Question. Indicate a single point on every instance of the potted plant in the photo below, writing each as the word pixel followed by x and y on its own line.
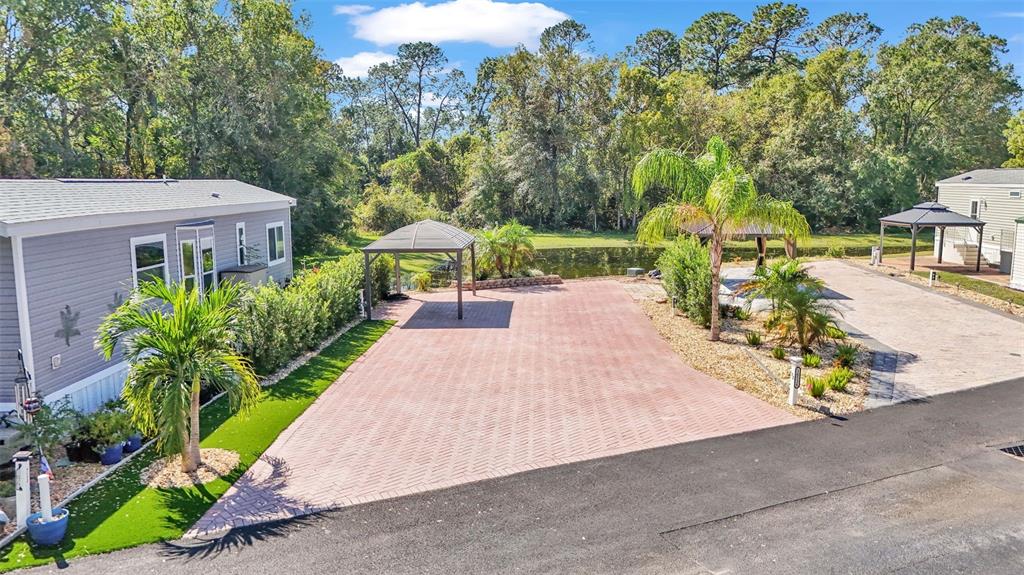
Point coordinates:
pixel 51 426
pixel 133 443
pixel 48 533
pixel 109 429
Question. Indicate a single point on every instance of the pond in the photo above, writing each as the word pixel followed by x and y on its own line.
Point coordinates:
pixel 592 262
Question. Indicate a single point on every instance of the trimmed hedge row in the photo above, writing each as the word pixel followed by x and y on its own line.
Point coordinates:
pixel 277 324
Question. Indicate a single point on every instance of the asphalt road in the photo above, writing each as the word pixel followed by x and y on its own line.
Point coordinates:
pixel 913 488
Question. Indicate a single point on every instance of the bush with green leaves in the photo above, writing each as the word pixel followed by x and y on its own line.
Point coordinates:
pixel 812 360
pixel 846 355
pixel 779 352
pixel 803 317
pixel 505 250
pixel 839 378
pixel 277 324
pixel 686 274
pixel 385 210
pixel 837 251
pixel 753 338
pixel 816 386
pixel 422 281
pixel 775 280
pixel 107 427
pixel 51 427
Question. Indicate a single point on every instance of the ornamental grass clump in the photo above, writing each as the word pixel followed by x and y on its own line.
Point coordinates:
pixel 816 386
pixel 779 352
pixel 839 378
pixel 812 360
pixel 422 281
pixel 846 355
pixel 753 339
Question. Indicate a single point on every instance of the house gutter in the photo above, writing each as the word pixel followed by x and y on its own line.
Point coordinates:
pixel 21 298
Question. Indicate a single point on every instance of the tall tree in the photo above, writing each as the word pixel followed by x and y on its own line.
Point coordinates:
pixel 658 51
pixel 769 42
pixel 707 44
pixel 847 30
pixel 1014 133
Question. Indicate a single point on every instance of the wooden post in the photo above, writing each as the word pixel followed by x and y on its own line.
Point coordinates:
pixel 367 290
pixel 398 274
pixel 790 243
pixel 981 237
pixel 458 278
pixel 762 247
pixel 913 245
pixel 472 266
pixel 881 241
pixel 942 241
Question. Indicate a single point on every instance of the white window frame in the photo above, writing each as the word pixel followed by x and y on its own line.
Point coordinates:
pixel 162 238
pixel 181 262
pixel 212 241
pixel 976 215
pixel 284 251
pixel 240 254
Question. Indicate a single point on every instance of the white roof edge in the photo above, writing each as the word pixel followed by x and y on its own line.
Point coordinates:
pixel 120 219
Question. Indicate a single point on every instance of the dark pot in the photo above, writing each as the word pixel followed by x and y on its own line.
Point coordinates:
pixel 50 533
pixel 82 451
pixel 112 454
pixel 134 443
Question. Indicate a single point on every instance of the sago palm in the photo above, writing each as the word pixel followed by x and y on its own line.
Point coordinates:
pixel 803 318
pixel 709 190
pixel 176 340
pixel 777 278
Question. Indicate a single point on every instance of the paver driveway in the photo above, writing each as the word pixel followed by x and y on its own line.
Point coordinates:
pixel 943 344
pixel 531 378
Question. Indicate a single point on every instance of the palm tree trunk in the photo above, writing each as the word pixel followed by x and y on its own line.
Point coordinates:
pixel 190 459
pixel 716 269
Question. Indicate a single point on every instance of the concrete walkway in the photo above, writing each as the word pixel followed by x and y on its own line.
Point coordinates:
pixel 531 378
pixel 941 344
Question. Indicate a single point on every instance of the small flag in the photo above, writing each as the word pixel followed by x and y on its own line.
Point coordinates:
pixel 44 466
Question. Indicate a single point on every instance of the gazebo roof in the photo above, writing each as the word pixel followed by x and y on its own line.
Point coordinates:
pixel 424 236
pixel 930 214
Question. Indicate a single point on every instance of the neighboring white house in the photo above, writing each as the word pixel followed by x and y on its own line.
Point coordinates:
pixel 996 197
pixel 73 249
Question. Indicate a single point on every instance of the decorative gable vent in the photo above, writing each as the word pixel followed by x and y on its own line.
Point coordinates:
pixel 1014 193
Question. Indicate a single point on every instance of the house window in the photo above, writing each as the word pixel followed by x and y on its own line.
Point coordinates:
pixel 975 206
pixel 206 260
pixel 275 243
pixel 188 263
pixel 240 242
pixel 149 259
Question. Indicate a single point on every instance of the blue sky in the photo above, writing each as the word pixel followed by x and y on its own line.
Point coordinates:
pixel 359 33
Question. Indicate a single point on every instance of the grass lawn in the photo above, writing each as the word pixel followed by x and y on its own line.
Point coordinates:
pixel 980 286
pixel 119 512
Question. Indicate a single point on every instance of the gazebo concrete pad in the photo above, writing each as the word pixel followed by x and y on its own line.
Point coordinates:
pixel 530 378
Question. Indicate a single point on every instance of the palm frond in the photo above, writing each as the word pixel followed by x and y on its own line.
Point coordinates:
pixel 661 168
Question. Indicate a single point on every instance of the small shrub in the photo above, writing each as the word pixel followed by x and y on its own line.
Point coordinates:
pixel 834 333
pixel 846 355
pixel 838 378
pixel 812 360
pixel 741 313
pixel 779 352
pixel 837 251
pixel 686 274
pixel 754 338
pixel 422 281
pixel 816 386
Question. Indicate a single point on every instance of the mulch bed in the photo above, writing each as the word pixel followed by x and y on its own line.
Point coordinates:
pixel 165 473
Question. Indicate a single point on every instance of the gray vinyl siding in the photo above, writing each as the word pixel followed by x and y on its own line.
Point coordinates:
pixel 998 210
pixel 85 269
pixel 226 249
pixel 10 339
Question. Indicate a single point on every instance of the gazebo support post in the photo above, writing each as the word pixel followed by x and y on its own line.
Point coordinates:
pixel 367 290
pixel 881 240
pixel 472 266
pixel 942 241
pixel 981 236
pixel 398 273
pixel 458 278
pixel 913 245
pixel 762 247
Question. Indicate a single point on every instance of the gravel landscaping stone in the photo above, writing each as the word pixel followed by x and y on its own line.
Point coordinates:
pixel 166 472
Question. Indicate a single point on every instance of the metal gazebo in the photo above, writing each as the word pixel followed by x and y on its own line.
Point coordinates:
pixel 930 215
pixel 426 236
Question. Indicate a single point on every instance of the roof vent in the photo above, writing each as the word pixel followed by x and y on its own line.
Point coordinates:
pixel 215 194
pixel 965 178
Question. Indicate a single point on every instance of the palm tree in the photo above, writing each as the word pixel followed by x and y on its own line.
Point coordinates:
pixel 774 280
pixel 803 317
pixel 710 190
pixel 176 340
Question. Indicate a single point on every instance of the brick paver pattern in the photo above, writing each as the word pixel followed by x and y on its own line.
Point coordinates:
pixel 532 377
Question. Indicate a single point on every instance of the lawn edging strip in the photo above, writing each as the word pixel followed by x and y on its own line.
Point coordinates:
pixel 119 512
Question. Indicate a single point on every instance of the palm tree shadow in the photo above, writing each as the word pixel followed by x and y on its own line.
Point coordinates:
pixel 235 539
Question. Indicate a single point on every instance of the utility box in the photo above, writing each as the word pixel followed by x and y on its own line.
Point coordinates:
pixel 253 274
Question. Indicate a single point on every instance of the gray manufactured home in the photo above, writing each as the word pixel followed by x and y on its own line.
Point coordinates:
pixel 72 249
pixel 996 197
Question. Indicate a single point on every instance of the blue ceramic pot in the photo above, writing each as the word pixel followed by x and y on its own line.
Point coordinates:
pixel 112 454
pixel 133 444
pixel 49 533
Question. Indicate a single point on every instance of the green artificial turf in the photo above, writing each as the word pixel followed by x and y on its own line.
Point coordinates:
pixel 119 512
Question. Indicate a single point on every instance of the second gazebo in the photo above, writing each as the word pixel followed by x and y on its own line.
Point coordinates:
pixel 930 215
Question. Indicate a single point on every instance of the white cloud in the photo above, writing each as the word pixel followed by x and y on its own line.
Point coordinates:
pixel 357 65
pixel 1011 14
pixel 351 9
pixel 500 24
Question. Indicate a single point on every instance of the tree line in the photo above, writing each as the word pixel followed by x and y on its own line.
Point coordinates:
pixel 822 114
